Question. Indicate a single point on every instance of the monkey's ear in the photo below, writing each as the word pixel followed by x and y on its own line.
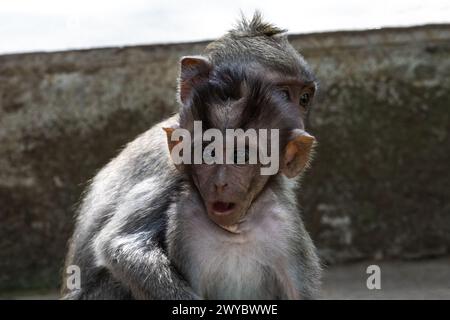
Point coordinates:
pixel 297 153
pixel 194 70
pixel 170 143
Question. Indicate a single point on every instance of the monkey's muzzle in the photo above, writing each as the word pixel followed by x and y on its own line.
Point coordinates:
pixel 223 208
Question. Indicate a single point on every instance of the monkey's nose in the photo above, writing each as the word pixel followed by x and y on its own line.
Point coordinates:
pixel 220 187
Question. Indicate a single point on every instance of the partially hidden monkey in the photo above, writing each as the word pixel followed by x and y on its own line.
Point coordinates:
pixel 126 239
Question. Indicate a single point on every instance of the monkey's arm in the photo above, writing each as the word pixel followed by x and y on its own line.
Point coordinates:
pixel 129 246
pixel 299 277
pixel 306 280
pixel 137 262
pixel 300 273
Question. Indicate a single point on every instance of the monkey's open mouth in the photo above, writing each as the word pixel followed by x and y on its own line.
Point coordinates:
pixel 223 208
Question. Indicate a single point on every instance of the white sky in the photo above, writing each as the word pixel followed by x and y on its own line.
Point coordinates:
pixel 47 25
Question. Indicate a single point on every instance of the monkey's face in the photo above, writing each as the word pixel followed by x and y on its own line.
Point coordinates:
pixel 239 97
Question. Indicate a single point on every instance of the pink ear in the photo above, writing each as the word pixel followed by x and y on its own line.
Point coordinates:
pixel 297 153
pixel 194 70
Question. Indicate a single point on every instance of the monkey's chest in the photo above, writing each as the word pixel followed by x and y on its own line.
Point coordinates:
pixel 226 266
pixel 233 275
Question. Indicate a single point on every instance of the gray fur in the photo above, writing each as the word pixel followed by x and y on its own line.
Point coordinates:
pixel 258 42
pixel 272 257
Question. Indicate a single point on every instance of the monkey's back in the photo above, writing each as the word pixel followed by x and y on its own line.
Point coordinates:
pixel 144 158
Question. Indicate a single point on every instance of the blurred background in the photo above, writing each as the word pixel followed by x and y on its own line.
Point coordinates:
pixel 79 79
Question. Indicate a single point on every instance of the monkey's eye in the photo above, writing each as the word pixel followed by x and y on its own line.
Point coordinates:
pixel 305 99
pixel 209 154
pixel 285 95
pixel 241 156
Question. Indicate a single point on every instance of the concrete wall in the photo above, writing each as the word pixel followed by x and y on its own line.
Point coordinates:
pixel 378 188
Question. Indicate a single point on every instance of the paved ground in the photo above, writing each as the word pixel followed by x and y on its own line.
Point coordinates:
pixel 428 279
pixel 399 280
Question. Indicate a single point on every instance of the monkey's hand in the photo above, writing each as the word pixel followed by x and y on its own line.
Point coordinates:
pixel 141 266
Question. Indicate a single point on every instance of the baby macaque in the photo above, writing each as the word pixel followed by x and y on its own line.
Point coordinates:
pixel 153 227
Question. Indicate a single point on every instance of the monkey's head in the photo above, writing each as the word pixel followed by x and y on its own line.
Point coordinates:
pixel 234 99
pixel 251 78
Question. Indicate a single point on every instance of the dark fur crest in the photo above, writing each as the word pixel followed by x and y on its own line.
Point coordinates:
pixel 255 27
pixel 262 105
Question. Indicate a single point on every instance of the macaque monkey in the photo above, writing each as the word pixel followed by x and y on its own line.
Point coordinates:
pixel 150 228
